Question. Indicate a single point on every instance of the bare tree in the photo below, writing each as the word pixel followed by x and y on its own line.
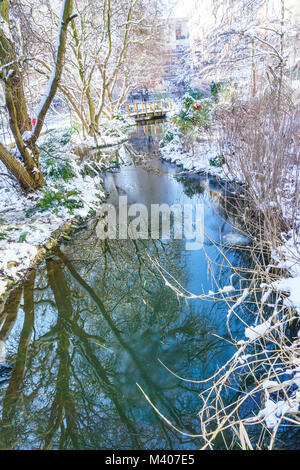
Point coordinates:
pixel 110 54
pixel 243 38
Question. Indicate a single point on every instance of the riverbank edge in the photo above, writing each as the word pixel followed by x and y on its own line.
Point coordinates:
pixel 285 286
pixel 222 176
pixel 79 148
pixel 44 249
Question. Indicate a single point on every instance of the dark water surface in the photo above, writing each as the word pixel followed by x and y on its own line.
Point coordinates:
pixel 94 319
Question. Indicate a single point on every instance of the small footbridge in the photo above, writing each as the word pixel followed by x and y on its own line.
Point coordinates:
pixel 149 109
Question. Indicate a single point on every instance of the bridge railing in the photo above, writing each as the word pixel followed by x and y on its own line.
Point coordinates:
pixel 147 108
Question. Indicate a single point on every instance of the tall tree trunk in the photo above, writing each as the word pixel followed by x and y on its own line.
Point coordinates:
pixel 66 17
pixel 13 77
pixel 17 169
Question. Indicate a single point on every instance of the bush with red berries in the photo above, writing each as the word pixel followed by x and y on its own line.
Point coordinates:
pixel 194 115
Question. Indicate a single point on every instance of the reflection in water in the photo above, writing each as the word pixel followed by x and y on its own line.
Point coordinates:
pixel 94 320
pixel 151 128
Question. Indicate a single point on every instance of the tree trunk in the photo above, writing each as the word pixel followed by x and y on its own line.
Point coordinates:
pixel 17 169
pixel 15 81
pixel 28 172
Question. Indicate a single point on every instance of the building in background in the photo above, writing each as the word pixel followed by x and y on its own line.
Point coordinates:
pixel 177 45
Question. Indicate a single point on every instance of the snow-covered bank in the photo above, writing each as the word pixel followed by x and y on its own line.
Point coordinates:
pixel 22 235
pixel 71 164
pixel 203 156
pixel 198 161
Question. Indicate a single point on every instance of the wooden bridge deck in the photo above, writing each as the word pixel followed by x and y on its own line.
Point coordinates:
pixel 149 109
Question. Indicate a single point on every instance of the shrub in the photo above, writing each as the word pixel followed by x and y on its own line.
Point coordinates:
pixel 55 197
pixel 54 165
pixel 197 95
pixel 168 137
pixel 194 115
pixel 58 169
pixel 217 161
pixel 261 143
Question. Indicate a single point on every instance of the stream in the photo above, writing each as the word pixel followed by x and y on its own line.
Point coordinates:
pixel 97 318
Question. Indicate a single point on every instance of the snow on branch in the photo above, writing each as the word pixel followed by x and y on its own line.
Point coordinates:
pixel 66 16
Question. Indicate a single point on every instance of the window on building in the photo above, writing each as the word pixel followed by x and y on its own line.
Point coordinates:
pixel 178 31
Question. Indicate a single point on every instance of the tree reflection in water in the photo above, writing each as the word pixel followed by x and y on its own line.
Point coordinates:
pixel 94 320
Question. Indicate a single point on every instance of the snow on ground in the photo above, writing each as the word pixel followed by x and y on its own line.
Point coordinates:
pixel 286 257
pixel 200 158
pixel 26 221
pixel 198 161
pixel 18 248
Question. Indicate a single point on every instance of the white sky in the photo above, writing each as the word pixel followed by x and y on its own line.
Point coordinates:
pixel 179 8
pixel 184 7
